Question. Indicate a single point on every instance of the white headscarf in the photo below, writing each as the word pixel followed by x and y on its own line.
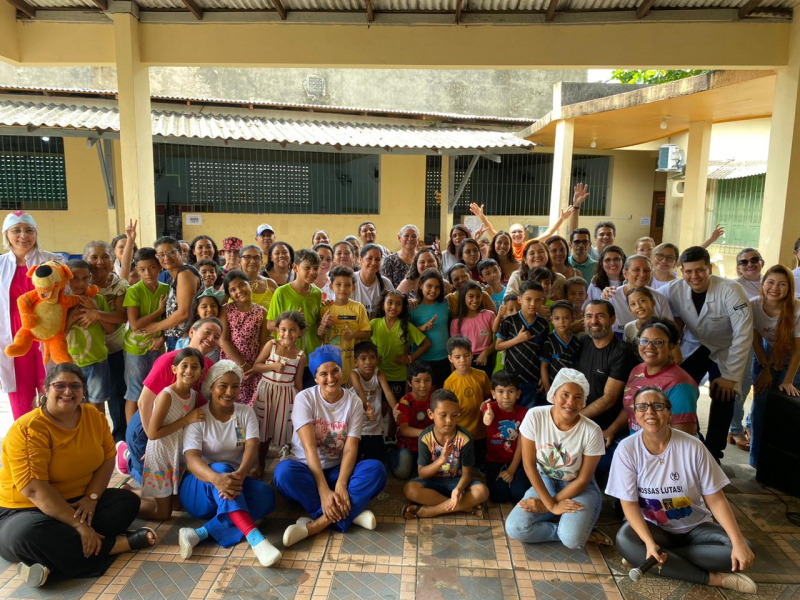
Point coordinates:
pixel 565 376
pixel 215 372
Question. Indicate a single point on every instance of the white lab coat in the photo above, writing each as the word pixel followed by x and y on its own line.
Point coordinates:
pixel 724 325
pixel 8 265
pixel 624 315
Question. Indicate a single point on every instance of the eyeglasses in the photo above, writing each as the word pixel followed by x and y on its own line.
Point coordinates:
pixel 756 260
pixel 253 257
pixel 656 406
pixel 654 343
pixel 580 242
pixel 612 260
pixel 61 387
pixel 666 257
pixel 163 255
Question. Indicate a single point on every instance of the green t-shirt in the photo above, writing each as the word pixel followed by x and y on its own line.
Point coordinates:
pixel 390 346
pixel 147 301
pixel 88 346
pixel 285 298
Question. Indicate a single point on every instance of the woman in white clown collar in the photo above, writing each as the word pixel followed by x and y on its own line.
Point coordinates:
pixel 321 472
pixel 670 487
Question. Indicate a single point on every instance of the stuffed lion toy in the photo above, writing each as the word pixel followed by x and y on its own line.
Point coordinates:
pixel 44 313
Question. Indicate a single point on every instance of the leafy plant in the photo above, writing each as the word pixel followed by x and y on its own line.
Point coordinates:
pixel 653 76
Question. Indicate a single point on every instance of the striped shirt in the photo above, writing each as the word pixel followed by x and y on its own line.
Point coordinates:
pixel 560 355
pixel 523 359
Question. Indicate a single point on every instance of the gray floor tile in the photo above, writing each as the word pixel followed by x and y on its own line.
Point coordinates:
pixel 275 584
pixel 365 586
pixel 460 541
pixel 386 540
pixel 162 580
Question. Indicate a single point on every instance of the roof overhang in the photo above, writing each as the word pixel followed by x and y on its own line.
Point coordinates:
pixel 636 117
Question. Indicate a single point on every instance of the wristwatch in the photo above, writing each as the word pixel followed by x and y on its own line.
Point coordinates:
pixel 93 497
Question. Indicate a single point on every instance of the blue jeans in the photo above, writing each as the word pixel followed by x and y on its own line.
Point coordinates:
pixel 530 396
pixel 98 381
pixel 202 500
pixel 502 492
pixel 137 368
pixel 759 408
pixel 572 529
pixel 136 439
pixel 401 462
pixel 442 485
pixel 294 480
pixel 738 408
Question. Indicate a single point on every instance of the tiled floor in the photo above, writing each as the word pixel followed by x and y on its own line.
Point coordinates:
pixel 458 557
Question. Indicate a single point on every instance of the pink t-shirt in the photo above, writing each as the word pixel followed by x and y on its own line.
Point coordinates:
pixel 161 376
pixel 478 329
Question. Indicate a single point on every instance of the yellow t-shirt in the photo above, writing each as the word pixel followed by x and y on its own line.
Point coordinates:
pixel 37 448
pixel 471 390
pixel 352 315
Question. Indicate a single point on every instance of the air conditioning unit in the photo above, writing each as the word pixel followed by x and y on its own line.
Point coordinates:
pixel 670 159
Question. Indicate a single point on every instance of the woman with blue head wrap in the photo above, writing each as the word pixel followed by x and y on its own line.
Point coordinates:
pixel 321 471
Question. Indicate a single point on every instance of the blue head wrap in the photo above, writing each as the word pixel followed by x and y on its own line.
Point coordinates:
pixel 322 355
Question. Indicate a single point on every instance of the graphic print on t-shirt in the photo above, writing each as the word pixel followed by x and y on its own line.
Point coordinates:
pixel 507 432
pixel 330 437
pixel 667 508
pixel 452 468
pixel 555 461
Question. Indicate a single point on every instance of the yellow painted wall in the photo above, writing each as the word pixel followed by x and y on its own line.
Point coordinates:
pixel 402 201
pixel 8 33
pixel 87 217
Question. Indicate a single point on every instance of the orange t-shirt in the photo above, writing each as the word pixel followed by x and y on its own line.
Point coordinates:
pixel 517 250
pixel 37 448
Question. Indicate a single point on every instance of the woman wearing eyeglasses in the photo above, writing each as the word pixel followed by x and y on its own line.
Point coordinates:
pixel 670 488
pixel 657 340
pixel 56 513
pixel 185 284
pixel 608 274
pixel 665 259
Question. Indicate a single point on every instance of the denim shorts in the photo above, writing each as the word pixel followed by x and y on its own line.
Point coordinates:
pixel 137 368
pixel 443 485
pixel 98 382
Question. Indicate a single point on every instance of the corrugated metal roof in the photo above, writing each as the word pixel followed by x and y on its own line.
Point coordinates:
pixel 279 104
pixel 728 169
pixel 219 125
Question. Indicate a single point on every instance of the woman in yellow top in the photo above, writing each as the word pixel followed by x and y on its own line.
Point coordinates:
pixel 56 514
pixel 250 261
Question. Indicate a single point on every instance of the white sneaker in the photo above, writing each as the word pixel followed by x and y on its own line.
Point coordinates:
pixel 266 553
pixel 739 582
pixel 187 540
pixel 296 533
pixel 366 520
pixel 285 451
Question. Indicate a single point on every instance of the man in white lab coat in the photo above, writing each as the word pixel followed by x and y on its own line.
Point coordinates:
pixel 717 338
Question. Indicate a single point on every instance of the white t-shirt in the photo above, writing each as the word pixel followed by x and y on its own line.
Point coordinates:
pixel 657 285
pixel 222 442
pixel 370 296
pixel 669 488
pixel 623 312
pixel 333 424
pixel 559 454
pixel 765 325
pixel 374 393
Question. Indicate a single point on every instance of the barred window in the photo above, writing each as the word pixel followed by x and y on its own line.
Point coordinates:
pixel 518 185
pixel 736 204
pixel 248 180
pixel 32 173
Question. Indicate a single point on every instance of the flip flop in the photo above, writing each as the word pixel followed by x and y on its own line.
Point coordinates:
pixel 478 512
pixel 410 510
pixel 137 540
pixel 599 538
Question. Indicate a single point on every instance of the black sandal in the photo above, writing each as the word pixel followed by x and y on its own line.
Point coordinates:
pixel 410 510
pixel 137 540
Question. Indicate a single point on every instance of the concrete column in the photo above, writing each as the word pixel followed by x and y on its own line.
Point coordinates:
pixel 693 210
pixel 780 217
pixel 136 137
pixel 448 189
pixel 562 171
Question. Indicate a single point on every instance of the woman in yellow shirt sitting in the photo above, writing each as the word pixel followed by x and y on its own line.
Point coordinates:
pixel 56 513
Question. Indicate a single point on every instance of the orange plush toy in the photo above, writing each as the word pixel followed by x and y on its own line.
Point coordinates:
pixel 44 313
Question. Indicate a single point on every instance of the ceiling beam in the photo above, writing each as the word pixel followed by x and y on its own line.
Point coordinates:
pixel 370 13
pixel 101 4
pixel 459 6
pixel 644 8
pixel 194 8
pixel 748 8
pixel 551 10
pixel 23 7
pixel 279 7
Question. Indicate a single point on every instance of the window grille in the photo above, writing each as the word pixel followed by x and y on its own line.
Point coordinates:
pixel 248 180
pixel 32 173
pixel 736 204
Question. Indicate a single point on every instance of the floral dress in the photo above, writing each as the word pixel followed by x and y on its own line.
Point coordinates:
pixel 245 328
pixel 164 463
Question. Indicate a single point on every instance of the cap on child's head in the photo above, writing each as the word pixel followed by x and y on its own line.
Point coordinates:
pixel 504 378
pixel 418 367
pixel 442 395
pixel 365 347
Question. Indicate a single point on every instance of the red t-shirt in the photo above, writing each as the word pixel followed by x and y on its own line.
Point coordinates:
pixel 413 413
pixel 502 434
pixel 161 376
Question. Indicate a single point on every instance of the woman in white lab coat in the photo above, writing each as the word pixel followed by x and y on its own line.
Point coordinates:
pixel 21 377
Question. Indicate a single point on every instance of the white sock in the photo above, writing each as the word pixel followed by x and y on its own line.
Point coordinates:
pixel 266 553
pixel 187 540
pixel 296 533
pixel 366 520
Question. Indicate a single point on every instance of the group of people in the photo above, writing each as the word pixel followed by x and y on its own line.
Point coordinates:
pixel 536 372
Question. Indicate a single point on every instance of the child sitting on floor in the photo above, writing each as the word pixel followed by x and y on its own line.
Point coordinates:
pixel 412 418
pixel 446 457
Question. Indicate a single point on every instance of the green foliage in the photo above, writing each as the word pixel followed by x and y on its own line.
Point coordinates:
pixel 653 76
